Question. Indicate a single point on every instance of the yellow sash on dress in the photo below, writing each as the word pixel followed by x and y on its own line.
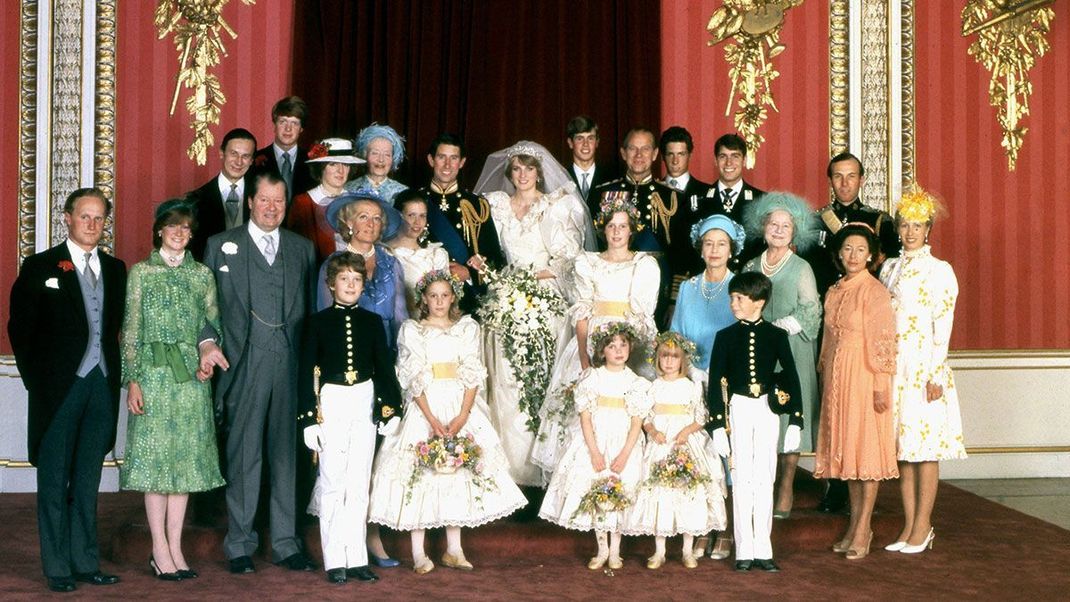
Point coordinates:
pixel 444 370
pixel 670 408
pixel 610 402
pixel 611 308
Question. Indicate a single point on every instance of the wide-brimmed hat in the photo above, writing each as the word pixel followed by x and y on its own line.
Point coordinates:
pixel 334 150
pixel 392 218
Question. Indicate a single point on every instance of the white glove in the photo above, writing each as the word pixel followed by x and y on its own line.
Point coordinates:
pixel 390 426
pixel 788 323
pixel 720 443
pixel 314 438
pixel 792 438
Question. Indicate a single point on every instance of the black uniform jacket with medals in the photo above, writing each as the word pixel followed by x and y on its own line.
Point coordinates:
pixel 461 221
pixel 747 354
pixel 833 217
pixel 348 345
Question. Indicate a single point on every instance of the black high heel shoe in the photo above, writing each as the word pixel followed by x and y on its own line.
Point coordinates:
pixel 162 576
pixel 187 573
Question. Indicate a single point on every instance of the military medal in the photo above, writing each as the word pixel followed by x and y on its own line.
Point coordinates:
pixel 351 376
pixel 443 205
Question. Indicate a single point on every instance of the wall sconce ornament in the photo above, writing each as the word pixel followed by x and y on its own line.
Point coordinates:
pixel 754 27
pixel 1011 36
pixel 196 25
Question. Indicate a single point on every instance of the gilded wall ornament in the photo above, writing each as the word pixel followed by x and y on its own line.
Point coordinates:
pixel 197 25
pixel 1011 36
pixel 754 27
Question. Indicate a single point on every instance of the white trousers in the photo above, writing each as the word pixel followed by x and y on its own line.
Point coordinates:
pixel 345 467
pixel 754 452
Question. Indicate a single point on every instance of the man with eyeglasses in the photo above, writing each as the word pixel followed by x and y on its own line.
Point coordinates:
pixel 283 155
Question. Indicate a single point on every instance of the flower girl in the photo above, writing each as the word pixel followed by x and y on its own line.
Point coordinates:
pixel 683 487
pixel 600 469
pixel 445 466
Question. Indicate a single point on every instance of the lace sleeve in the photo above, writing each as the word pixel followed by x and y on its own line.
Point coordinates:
pixel 637 399
pixel 879 330
pixel 584 281
pixel 943 292
pixel 470 370
pixel 131 339
pixel 414 371
pixel 586 394
pixel 808 310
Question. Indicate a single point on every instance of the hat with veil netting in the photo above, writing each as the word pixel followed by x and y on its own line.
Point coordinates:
pixel 495 177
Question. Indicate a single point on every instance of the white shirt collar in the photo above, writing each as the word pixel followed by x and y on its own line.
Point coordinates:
pixel 258 235
pixel 681 180
pixel 224 187
pixel 279 153
pixel 736 189
pixel 319 195
pixel 579 171
pixel 78 257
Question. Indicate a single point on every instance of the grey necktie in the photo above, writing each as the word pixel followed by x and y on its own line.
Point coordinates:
pixel 90 275
pixel 232 206
pixel 287 170
pixel 727 201
pixel 585 186
pixel 674 183
pixel 269 249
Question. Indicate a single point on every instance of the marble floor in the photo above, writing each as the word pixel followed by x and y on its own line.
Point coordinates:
pixel 1046 499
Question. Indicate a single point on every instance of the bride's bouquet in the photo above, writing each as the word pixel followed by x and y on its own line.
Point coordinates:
pixel 605 495
pixel 522 313
pixel 677 470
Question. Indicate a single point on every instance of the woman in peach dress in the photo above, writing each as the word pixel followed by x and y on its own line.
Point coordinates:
pixel 856 439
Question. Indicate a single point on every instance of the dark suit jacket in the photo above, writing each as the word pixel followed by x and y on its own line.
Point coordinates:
pixel 232 284
pixel 50 333
pixel 264 160
pixel 211 216
pixel 602 173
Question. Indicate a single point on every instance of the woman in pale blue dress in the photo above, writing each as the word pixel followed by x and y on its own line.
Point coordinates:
pixel 384 150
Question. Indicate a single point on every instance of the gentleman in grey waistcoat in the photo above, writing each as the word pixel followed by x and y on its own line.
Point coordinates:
pixel 264 276
pixel 66 312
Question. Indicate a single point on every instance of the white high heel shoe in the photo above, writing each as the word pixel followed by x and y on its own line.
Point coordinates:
pixel 895 547
pixel 921 547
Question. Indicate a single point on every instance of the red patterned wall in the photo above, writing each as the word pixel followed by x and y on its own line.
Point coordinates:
pixel 9 161
pixel 695 89
pixel 1006 234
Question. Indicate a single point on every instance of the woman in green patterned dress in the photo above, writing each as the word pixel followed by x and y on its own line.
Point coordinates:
pixel 170 442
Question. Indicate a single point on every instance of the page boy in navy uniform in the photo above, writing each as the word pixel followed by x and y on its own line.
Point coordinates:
pixel 746 396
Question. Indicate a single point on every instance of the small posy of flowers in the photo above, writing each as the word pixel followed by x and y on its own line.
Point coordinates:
pixel 523 314
pixel 318 151
pixel 447 455
pixel 605 495
pixel 65 265
pixel 677 471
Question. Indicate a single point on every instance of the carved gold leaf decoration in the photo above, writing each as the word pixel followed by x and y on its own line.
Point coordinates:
pixel 1011 36
pixel 754 29
pixel 197 25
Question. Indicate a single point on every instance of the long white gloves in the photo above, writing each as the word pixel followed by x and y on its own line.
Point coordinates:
pixel 314 438
pixel 390 426
pixel 792 438
pixel 720 443
pixel 788 323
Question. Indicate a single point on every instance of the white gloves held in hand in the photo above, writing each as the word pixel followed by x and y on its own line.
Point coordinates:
pixel 720 443
pixel 792 439
pixel 788 323
pixel 314 438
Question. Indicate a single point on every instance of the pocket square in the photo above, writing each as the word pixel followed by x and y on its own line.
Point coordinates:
pixel 224 268
pixel 52 283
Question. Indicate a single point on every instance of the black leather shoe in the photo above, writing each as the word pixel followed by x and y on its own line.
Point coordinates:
pixel 242 565
pixel 96 578
pixel 337 576
pixel 743 565
pixel 362 573
pixel 187 573
pixel 61 584
pixel 297 562
pixel 766 564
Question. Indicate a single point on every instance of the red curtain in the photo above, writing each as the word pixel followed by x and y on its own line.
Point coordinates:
pixel 495 72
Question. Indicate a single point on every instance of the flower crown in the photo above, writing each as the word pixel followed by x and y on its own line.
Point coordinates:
pixel 615 201
pixel 674 340
pixel 524 149
pixel 439 276
pixel 605 332
pixel 918 206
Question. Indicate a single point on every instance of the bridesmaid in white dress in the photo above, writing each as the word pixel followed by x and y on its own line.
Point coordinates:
pixel 410 246
pixel 615 285
pixel 926 403
pixel 442 377
pixel 542 225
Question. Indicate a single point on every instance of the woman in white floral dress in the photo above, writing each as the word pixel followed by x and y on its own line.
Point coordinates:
pixel 928 423
pixel 615 285
pixel 442 376
pixel 542 225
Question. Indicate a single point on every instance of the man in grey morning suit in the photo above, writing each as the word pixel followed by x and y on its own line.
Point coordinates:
pixel 264 276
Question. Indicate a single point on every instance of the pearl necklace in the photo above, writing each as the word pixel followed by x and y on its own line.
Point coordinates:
pixel 716 289
pixel 366 255
pixel 771 270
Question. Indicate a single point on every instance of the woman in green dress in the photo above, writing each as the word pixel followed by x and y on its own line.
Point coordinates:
pixel 170 442
pixel 788 225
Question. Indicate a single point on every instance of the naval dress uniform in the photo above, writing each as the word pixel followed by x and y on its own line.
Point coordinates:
pixel 358 388
pixel 745 355
pixel 659 208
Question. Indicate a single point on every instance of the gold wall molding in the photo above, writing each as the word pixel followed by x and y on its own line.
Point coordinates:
pixel 876 98
pixel 104 130
pixel 27 200
pixel 839 77
pixel 906 77
pixel 66 110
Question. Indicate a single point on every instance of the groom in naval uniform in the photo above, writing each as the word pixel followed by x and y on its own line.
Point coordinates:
pixel 66 311
pixel 264 277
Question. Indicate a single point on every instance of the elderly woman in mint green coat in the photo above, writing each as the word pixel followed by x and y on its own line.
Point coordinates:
pixel 788 225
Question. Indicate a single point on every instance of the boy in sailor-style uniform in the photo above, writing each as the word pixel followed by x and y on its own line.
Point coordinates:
pixel 346 364
pixel 745 397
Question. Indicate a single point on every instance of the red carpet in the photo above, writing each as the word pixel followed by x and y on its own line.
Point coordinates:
pixel 982 550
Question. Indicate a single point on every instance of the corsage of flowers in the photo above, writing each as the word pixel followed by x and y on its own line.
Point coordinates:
pixel 65 265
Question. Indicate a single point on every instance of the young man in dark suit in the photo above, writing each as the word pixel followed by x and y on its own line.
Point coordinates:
pixel 66 312
pixel 676 146
pixel 283 155
pixel 732 193
pixel 582 134
pixel 220 202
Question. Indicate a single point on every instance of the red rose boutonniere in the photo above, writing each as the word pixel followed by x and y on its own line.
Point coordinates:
pixel 317 151
pixel 65 265
pixel 260 161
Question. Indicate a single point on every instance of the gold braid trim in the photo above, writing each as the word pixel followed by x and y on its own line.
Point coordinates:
pixel 473 220
pixel 660 213
pixel 830 219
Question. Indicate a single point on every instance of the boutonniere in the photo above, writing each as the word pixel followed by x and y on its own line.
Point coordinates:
pixel 52 283
pixel 229 248
pixel 748 195
pixel 65 265
pixel 260 161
